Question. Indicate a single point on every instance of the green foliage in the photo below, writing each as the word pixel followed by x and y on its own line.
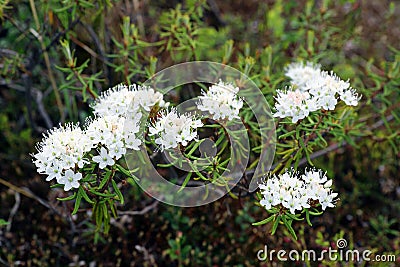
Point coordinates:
pixel 384 229
pixel 92 45
pixel 75 79
pixel 3 222
pixel 3 6
pixel 100 190
pixel 179 250
pixel 275 21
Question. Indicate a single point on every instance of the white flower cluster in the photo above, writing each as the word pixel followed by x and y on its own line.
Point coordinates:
pixel 301 73
pixel 123 99
pixel 65 150
pixel 172 129
pixel 295 192
pixel 60 152
pixel 312 89
pixel 114 138
pixel 221 101
pixel 295 104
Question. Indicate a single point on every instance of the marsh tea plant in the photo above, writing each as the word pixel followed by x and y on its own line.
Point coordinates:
pixel 87 160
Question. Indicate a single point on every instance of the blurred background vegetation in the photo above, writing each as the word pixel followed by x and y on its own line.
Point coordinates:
pixel 56 56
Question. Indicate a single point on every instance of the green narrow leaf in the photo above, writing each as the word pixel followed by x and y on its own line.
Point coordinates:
pixel 107 195
pixel 287 134
pixel 71 197
pixel 62 9
pixel 96 237
pixel 180 162
pixel 286 151
pixel 195 146
pixel 166 165
pixel 198 173
pixel 113 209
pixel 207 193
pixel 77 203
pixel 222 149
pixel 265 221
pixel 349 140
pixel 298 132
pixel 104 209
pixel 232 195
pixel 98 215
pixel 310 41
pixel 89 177
pixel 315 213
pixel 106 218
pixel 124 171
pixel 308 217
pixel 321 138
pixel 288 225
pixel 117 191
pixel 187 179
pixel 105 179
pixel 220 139
pixel 306 151
pixel 297 158
pixel 3 222
pixel 276 223
pixel 334 124
pixel 85 196
pixel 294 217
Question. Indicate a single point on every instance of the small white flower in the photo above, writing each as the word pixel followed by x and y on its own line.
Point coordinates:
pixel 132 142
pixel 300 73
pixel 167 140
pixel 328 184
pixel 123 100
pixel 303 200
pixel 292 103
pixel 80 161
pixel 314 176
pixel 221 101
pixel 103 159
pixel 313 89
pixel 68 161
pixel 292 203
pixel 117 150
pixel 41 162
pixel 294 191
pixel 350 97
pixel 53 171
pixel 70 180
pixel 115 133
pixel 267 201
pixel 328 82
pixel 172 129
pixel 62 149
pixel 147 97
pixel 328 200
pixel 327 102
